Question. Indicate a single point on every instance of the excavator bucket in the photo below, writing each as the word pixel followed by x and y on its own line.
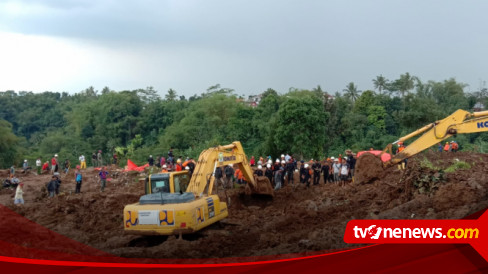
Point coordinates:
pixel 262 187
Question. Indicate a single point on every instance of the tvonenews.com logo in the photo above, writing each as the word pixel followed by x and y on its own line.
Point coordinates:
pixel 375 232
pixel 473 232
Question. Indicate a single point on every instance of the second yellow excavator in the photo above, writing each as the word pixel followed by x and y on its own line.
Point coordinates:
pixel 172 205
pixel 459 122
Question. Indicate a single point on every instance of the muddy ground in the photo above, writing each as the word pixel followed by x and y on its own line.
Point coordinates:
pixel 297 220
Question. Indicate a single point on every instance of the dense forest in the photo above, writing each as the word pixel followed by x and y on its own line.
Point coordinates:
pixel 306 123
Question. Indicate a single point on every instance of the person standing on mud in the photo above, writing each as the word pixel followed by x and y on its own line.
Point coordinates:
pixel 455 146
pixel 277 178
pixel 51 186
pixel 38 165
pixel 259 172
pixel 54 164
pixel 94 159
pixel 58 183
pixel 325 170
pixel 344 172
pixel 268 172
pixel 229 176
pixel 103 178
pixel 19 192
pixel 67 165
pixel 302 171
pixel 82 161
pixel 316 172
pixel 252 162
pixel 307 176
pixel 78 180
pixel 99 158
pixel 403 164
pixel 290 169
pixel 219 175
pixel 283 174
pixel 351 161
pixel 336 169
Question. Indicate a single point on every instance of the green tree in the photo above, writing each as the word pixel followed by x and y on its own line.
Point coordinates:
pixel 300 127
pixel 351 91
pixel 9 145
pixel 380 83
pixel 171 95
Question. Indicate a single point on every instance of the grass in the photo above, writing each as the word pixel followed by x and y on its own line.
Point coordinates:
pixel 458 165
pixel 425 163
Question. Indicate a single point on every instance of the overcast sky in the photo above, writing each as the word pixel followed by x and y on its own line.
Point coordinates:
pixel 246 45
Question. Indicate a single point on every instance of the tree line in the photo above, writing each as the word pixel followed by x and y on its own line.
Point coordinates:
pixel 306 123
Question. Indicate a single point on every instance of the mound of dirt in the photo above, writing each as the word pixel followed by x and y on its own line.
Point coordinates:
pixel 368 168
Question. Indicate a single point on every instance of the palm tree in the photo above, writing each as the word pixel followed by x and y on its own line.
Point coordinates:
pixel 351 91
pixel 380 83
pixel 405 83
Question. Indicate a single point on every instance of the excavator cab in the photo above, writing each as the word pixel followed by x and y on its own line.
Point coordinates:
pixel 170 182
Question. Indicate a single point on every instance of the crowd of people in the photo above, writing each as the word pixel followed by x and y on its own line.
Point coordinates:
pixel 336 170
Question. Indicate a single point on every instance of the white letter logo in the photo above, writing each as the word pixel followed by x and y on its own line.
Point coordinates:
pixel 374 232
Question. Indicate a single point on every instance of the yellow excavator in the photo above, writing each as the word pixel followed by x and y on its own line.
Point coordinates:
pixel 174 205
pixel 459 122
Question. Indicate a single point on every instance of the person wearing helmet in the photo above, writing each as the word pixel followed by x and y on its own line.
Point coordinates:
pixel 344 172
pixel 307 176
pixel 25 166
pixel 164 169
pixel 178 166
pixel 403 163
pixel 336 168
pixel 54 164
pixel 259 171
pixel 284 173
pixel 150 160
pixel 268 172
pixel 99 158
pixel 455 146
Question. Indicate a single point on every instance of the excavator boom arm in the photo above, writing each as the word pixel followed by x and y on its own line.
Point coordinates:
pixel 457 123
pixel 202 180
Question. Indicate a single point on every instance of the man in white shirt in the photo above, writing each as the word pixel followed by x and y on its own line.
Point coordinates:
pixel 38 165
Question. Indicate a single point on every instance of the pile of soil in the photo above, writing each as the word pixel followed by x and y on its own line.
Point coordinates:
pixel 296 220
pixel 368 168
